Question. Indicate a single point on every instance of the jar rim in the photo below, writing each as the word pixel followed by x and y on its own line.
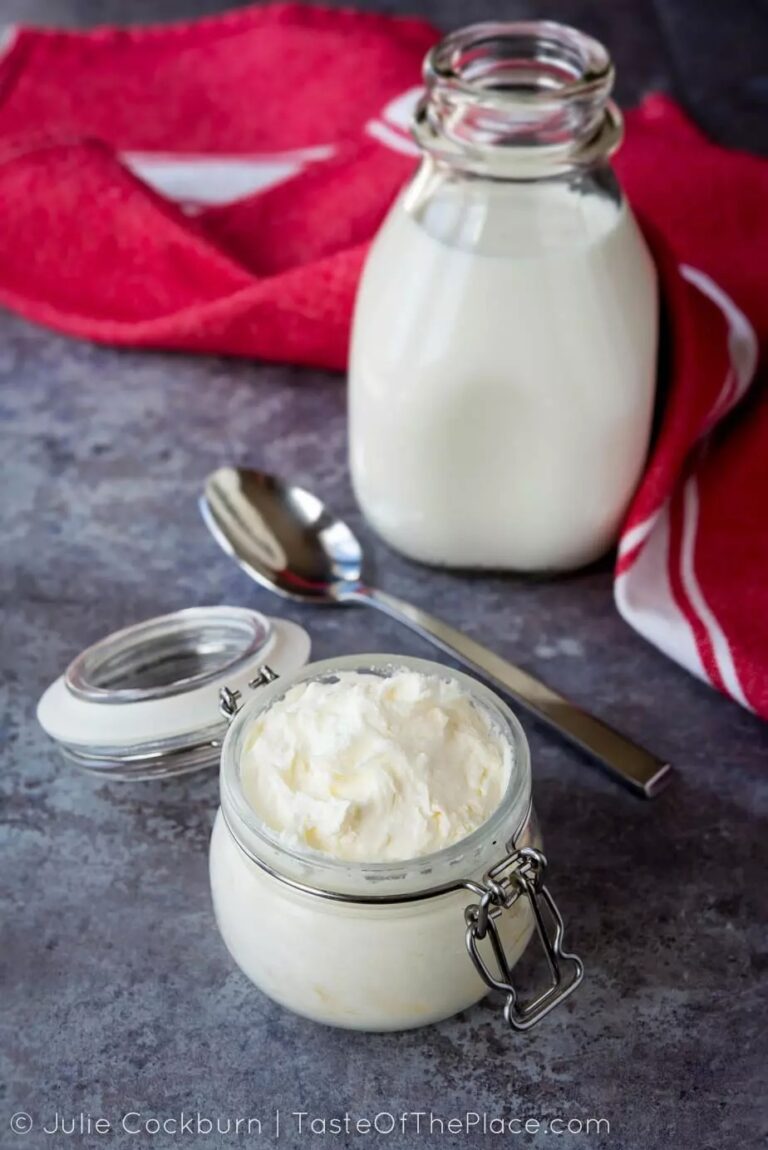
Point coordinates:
pixel 315 872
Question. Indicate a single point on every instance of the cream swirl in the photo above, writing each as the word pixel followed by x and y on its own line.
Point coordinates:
pixel 371 768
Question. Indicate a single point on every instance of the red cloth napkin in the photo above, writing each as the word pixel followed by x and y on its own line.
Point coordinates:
pixel 214 186
pixel 302 103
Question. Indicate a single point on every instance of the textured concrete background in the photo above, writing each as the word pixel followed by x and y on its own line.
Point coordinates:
pixel 117 993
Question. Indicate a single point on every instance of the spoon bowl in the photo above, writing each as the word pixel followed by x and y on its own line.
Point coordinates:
pixel 282 535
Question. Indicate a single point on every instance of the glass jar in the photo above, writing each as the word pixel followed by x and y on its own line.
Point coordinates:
pixel 385 946
pixel 503 357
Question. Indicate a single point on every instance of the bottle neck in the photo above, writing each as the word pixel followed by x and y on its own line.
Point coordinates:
pixel 518 99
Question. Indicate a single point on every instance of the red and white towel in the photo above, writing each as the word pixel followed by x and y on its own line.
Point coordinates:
pixel 214 187
pixel 692 567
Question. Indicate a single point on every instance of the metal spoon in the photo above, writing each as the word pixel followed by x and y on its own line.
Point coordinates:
pixel 286 540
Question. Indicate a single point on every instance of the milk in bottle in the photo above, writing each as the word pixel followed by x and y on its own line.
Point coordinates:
pixel 504 342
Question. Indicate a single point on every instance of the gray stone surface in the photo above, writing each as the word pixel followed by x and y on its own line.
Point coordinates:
pixel 117 992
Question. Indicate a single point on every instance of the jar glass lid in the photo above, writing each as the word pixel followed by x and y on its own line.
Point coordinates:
pixel 144 702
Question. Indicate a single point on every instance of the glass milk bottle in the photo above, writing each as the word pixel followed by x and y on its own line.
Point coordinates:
pixel 504 341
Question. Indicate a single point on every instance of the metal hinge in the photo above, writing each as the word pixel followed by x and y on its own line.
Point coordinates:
pixel 229 700
pixel 520 875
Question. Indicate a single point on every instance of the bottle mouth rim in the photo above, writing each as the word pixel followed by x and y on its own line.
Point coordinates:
pixel 520 100
pixel 583 65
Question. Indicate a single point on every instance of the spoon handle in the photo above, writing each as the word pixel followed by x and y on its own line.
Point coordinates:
pixel 636 767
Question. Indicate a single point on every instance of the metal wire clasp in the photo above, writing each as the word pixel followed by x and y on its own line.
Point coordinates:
pixel 520 874
pixel 229 700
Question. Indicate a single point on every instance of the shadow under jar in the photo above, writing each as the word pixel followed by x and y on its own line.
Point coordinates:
pixel 386 946
pixel 503 356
